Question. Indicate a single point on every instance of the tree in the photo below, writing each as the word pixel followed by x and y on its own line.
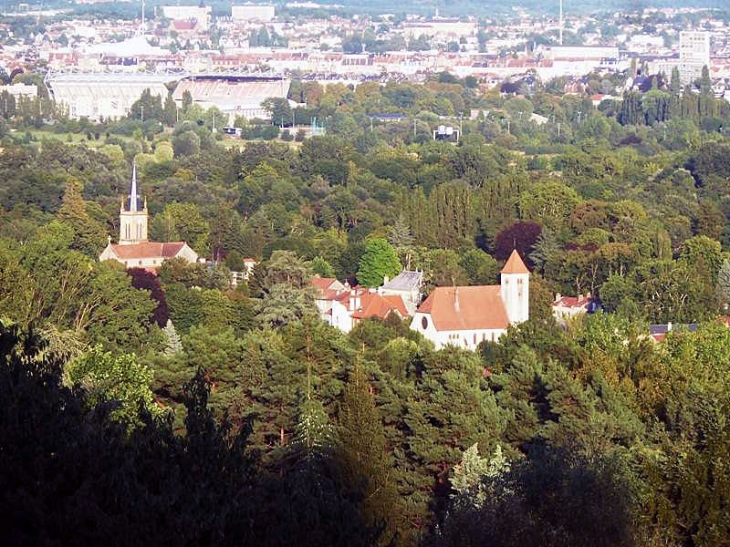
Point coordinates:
pixel 366 466
pixel 675 83
pixel 723 284
pixel 480 268
pixel 521 236
pixel 186 143
pixel 469 476
pixel 174 343
pixel 550 203
pixel 119 379
pixel 279 110
pixel 89 234
pixel 378 261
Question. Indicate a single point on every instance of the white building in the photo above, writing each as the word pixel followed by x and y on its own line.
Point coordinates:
pixel 134 250
pixel 467 316
pixel 200 14
pixel 694 54
pixel 253 12
pixel 694 47
pixel 25 91
pixel 107 95
pixel 408 286
pixel 343 307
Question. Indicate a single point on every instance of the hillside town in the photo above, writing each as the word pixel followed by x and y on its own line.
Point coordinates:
pixel 414 274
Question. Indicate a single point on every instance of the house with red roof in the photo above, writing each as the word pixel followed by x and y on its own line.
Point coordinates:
pixel 468 315
pixel 133 249
pixel 344 307
pixel 565 307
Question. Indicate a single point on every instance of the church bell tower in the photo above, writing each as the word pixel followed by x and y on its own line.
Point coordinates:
pixel 133 220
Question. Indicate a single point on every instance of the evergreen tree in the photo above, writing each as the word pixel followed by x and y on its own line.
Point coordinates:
pixel 366 465
pixel 675 84
pixel 723 284
pixel 89 234
pixel 173 343
pixel 170 111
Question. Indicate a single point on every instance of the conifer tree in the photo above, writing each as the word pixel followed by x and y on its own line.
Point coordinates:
pixel 88 233
pixel 174 343
pixel 366 465
pixel 676 83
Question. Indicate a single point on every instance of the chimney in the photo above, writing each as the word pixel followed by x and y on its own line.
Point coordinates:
pixel 457 305
pixel 558 296
pixel 669 327
pixel 354 300
pixel 385 279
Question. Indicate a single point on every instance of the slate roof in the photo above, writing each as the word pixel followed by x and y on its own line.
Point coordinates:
pixel 405 281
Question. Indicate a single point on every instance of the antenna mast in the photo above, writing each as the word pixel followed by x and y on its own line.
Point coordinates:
pixel 143 6
pixel 560 24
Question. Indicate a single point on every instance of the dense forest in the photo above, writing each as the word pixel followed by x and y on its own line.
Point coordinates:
pixel 173 408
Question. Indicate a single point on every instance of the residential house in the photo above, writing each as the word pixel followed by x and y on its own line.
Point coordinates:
pixel 565 307
pixel 407 285
pixel 343 307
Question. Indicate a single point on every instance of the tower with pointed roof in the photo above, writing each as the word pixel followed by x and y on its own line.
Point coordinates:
pixel 515 289
pixel 132 218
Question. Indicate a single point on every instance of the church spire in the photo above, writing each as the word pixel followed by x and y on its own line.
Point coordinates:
pixel 133 202
pixel 133 220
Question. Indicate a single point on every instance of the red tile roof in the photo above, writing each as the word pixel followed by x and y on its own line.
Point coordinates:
pixel 573 301
pixel 378 305
pixel 323 283
pixel 515 265
pixel 476 308
pixel 148 250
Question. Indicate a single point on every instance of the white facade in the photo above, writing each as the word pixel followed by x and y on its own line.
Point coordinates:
pixel 466 339
pixel 201 14
pixel 694 47
pixel 515 290
pixel 253 12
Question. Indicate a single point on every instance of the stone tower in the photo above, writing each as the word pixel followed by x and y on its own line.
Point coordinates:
pixel 515 289
pixel 133 220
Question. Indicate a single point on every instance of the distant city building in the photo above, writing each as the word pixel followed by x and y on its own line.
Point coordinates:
pixel 694 47
pixel 233 95
pixel 107 95
pixel 408 285
pixel 694 54
pixel 199 14
pixel 565 307
pixel 253 12
pixel 21 91
pixel 134 250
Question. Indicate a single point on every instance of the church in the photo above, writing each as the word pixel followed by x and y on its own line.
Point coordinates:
pixel 134 250
pixel 466 316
